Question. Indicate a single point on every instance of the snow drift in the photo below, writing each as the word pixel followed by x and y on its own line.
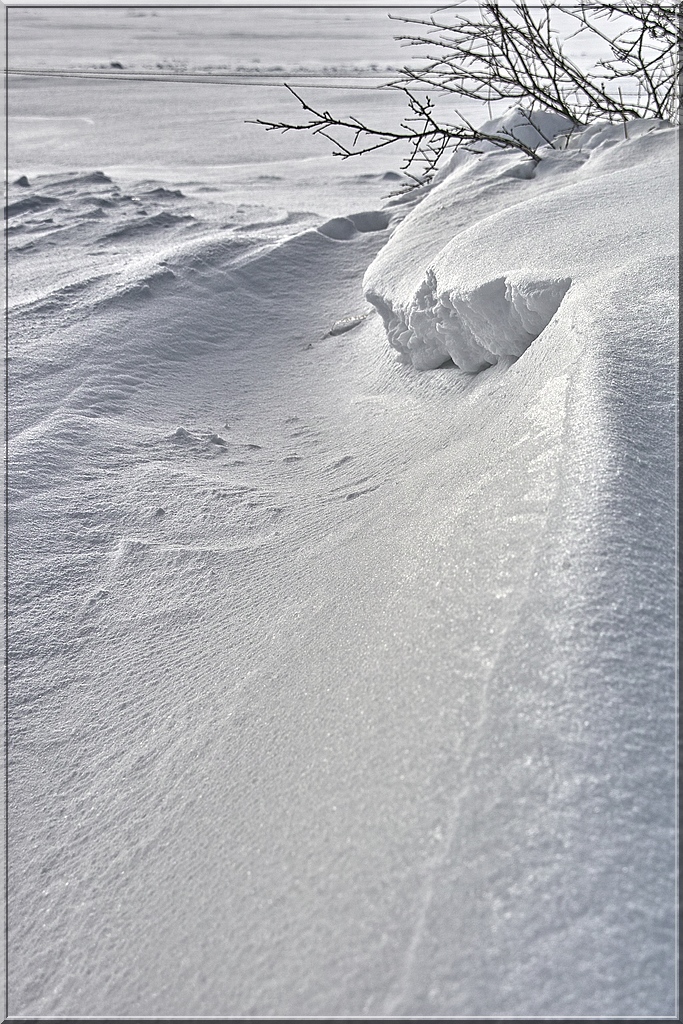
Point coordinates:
pixel 339 688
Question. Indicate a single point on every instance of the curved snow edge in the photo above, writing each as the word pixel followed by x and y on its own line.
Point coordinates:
pixel 474 329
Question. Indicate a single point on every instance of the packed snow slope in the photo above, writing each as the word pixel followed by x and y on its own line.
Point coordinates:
pixel 341 687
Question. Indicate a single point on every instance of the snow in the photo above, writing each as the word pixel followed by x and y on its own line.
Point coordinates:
pixel 500 279
pixel 341 684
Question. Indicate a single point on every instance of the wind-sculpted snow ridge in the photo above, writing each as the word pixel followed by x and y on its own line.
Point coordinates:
pixel 474 329
pixel 128 241
pixel 480 266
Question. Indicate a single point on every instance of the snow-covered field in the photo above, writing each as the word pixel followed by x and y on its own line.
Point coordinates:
pixel 342 665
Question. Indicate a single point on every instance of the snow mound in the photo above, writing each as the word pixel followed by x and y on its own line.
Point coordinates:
pixel 534 128
pixel 530 127
pixel 343 228
pixel 489 281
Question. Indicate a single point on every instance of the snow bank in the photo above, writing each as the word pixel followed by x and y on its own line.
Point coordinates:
pixel 494 286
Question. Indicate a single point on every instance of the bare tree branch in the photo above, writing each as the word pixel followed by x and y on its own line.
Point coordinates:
pixel 512 52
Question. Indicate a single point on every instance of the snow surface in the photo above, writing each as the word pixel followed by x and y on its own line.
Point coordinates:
pixel 337 687
pixel 500 279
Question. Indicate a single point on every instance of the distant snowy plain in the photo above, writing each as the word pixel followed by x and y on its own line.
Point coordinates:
pixel 341 684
